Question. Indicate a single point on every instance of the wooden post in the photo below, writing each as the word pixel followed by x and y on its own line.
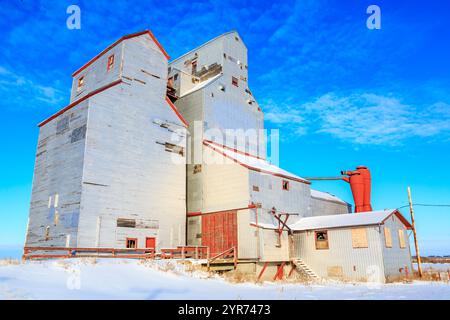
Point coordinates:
pixel 416 244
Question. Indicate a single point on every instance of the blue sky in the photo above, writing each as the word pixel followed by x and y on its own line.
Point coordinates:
pixel 341 94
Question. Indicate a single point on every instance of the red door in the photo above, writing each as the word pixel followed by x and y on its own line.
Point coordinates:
pixel 150 243
pixel 219 231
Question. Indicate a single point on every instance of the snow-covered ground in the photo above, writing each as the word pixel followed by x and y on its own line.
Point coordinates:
pixel 131 279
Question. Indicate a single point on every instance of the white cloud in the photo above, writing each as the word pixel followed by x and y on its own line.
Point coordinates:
pixel 364 118
pixel 20 91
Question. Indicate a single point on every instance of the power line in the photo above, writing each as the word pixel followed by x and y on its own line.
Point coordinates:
pixel 425 205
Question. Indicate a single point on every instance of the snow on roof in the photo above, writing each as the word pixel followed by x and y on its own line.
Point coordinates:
pixel 326 196
pixel 253 162
pixel 347 220
pixel 201 85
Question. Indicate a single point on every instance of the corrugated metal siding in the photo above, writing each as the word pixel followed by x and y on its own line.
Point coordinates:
pixel 322 207
pixel 395 258
pixel 247 236
pixel 368 262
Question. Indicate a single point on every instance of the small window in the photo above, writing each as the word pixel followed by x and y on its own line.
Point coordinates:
pixel 401 238
pixel 321 238
pixel 175 77
pixel 131 243
pixel 359 238
pixel 110 62
pixel 194 67
pixel 236 38
pixel 197 168
pixel 126 223
pixel 387 237
pixel 285 185
pixel 255 188
pixel 235 81
pixel 80 84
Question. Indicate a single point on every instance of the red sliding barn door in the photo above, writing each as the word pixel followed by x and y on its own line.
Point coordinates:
pixel 219 231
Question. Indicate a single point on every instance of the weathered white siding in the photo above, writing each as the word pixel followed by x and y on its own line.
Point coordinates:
pixel 115 165
pixel 225 183
pixel 358 264
pixel 322 207
pixel 395 258
pixel 56 193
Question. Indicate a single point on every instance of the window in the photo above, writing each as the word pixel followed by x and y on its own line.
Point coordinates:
pixel 235 81
pixel 285 185
pixel 110 62
pixel 126 223
pixel 255 188
pixel 321 239
pixel 387 237
pixel 401 238
pixel 359 238
pixel 131 243
pixel 194 67
pixel 175 77
pixel 80 84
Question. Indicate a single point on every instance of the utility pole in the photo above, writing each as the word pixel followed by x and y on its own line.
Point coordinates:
pixel 419 262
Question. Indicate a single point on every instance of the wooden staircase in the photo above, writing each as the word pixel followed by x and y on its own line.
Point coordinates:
pixel 305 269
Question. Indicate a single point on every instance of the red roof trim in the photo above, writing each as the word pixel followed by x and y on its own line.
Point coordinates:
pixel 232 149
pixel 256 169
pixel 73 104
pixel 401 218
pixel 129 36
pixel 176 111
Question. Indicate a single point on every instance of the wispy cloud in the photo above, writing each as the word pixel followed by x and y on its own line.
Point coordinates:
pixel 20 91
pixel 364 118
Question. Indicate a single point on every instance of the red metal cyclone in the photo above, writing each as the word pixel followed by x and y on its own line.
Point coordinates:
pixel 365 173
pixel 356 181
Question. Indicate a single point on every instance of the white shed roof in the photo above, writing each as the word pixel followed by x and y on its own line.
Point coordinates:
pixel 347 220
pixel 326 196
pixel 252 162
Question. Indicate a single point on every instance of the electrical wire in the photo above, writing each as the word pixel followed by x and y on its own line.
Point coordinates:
pixel 425 205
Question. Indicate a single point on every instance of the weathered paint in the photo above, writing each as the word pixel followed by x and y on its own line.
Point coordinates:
pixel 376 263
pixel 116 167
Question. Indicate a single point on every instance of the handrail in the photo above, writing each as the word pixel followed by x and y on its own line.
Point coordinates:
pixel 232 249
pixel 196 252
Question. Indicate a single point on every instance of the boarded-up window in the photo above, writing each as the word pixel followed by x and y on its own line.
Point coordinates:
pixel 359 238
pixel 401 238
pixel 62 125
pixel 126 223
pixel 78 134
pixel 321 239
pixel 110 62
pixel 387 237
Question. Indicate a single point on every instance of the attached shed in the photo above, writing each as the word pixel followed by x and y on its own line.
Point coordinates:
pixel 368 246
